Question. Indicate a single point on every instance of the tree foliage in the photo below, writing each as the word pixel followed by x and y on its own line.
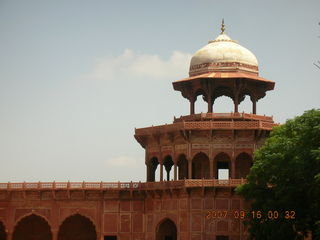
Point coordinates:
pixel 285 178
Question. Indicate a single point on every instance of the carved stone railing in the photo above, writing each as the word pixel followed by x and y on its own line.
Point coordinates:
pixel 187 183
pixel 213 116
pixel 206 125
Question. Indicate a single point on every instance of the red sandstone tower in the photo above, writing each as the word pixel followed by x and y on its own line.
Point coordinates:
pixel 200 158
pixel 203 149
pixel 197 146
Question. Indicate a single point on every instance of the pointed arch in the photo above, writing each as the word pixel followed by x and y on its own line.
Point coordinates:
pixel 245 105
pixel 32 226
pixel 33 213
pixel 168 163
pixel 200 97
pixel 201 92
pixel 223 104
pixel 77 227
pixel 166 230
pixel 200 166
pixel 222 163
pixel 182 164
pixel 243 164
pixel 250 100
pixel 152 167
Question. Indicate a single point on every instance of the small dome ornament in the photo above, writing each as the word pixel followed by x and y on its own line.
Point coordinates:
pixel 222 26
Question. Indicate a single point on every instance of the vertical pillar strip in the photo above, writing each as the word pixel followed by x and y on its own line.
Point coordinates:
pixel 161 172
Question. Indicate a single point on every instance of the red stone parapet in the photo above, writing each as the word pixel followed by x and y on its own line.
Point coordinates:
pixel 223 116
pixel 187 183
pixel 206 125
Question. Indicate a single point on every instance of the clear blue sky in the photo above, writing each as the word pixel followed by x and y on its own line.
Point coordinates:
pixel 76 77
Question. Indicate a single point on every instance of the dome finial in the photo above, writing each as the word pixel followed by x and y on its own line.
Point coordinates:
pixel 222 26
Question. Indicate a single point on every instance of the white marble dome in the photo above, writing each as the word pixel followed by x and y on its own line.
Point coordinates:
pixel 223 54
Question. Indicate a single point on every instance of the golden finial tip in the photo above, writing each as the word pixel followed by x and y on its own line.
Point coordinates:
pixel 222 26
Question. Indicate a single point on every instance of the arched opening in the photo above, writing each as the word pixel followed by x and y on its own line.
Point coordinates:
pixel 200 166
pixel 222 164
pixel 153 170
pixel 168 163
pixel 246 105
pixel 166 230
pixel 32 227
pixel 200 103
pixel 182 167
pixel 77 227
pixel 223 104
pixel 3 234
pixel 243 165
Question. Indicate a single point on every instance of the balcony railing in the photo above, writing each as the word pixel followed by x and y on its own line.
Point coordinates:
pixel 206 125
pixel 232 115
pixel 187 183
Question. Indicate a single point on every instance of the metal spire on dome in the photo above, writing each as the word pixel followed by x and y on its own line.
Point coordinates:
pixel 222 26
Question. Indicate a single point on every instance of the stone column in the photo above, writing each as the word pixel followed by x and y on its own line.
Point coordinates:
pixel 210 105
pixel 9 235
pixel 211 167
pixel 54 234
pixel 175 171
pixel 147 173
pixel 254 105
pixel 192 101
pixel 189 168
pixel 233 166
pixel 209 99
pixel 215 174
pixel 235 100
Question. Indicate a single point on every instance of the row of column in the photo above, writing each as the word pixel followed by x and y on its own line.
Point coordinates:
pixel 212 169
pixel 210 105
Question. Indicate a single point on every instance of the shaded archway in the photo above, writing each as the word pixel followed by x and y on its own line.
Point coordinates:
pixel 246 104
pixel 223 99
pixel 182 167
pixel 168 163
pixel 166 230
pixel 243 165
pixel 200 104
pixel 200 166
pixel 222 166
pixel 32 227
pixel 77 227
pixel 3 234
pixel 152 166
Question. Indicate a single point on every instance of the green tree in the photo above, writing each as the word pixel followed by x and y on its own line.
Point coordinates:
pixel 285 178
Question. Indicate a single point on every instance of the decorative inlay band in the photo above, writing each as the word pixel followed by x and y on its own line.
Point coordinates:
pixel 181 146
pixel 166 148
pixel 200 146
pixel 218 145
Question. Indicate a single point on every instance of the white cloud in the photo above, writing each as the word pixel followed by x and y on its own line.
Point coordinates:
pixel 122 161
pixel 131 64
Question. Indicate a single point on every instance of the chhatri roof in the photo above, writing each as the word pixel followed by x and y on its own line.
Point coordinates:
pixel 223 54
pixel 222 61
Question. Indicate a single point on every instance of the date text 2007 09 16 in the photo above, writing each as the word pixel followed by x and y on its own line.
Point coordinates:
pixel 241 214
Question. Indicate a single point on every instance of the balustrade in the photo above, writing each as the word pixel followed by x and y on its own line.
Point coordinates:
pixel 119 185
